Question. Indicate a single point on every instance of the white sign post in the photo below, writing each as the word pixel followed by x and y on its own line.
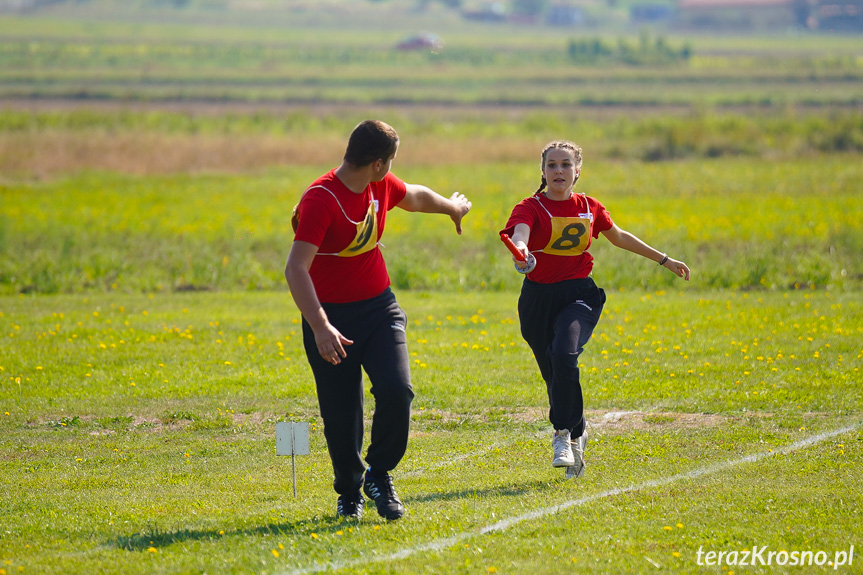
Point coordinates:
pixel 292 439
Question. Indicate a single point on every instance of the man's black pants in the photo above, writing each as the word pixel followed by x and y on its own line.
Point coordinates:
pixel 377 328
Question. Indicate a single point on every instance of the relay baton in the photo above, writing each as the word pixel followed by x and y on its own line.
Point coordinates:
pixel 531 261
pixel 515 251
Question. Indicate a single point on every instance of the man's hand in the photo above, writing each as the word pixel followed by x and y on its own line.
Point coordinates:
pixel 331 343
pixel 462 207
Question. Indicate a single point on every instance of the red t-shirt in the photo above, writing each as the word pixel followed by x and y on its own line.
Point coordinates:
pixel 329 214
pixel 537 212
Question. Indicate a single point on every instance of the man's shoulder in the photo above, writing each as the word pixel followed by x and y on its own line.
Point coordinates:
pixel 326 180
pixel 391 181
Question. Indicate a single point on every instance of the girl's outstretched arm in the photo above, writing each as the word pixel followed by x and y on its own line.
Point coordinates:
pixel 627 241
pixel 519 237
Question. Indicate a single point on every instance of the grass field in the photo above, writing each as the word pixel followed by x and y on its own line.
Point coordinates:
pixel 138 437
pixel 741 223
pixel 149 157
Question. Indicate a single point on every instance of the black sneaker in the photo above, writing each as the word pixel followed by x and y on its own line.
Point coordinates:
pixel 381 490
pixel 351 506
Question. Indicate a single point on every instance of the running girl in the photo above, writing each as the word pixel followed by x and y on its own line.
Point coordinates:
pixel 560 304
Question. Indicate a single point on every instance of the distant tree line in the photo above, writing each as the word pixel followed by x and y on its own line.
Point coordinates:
pixel 646 51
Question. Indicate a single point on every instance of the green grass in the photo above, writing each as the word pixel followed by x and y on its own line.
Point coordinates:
pixel 138 436
pixel 738 223
pixel 148 345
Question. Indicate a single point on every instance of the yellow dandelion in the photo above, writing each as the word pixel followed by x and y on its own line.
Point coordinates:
pixel 492 570
pixel 152 550
pixel 680 525
pixel 667 527
pixel 314 535
pixel 675 553
pixel 377 527
pixel 275 553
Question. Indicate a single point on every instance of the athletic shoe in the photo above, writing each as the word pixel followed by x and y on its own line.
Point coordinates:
pixel 351 505
pixel 562 449
pixel 578 447
pixel 380 489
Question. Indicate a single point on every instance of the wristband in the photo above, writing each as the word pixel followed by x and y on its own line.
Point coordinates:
pixel 664 259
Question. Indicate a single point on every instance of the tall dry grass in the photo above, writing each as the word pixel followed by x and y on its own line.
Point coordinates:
pixel 52 154
pixel 49 143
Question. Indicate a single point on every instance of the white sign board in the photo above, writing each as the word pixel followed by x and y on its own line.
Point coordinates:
pixel 292 438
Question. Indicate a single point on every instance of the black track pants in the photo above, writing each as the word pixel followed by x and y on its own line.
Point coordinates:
pixel 377 328
pixel 556 321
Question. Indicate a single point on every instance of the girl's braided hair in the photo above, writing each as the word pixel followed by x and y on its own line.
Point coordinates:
pixel 560 145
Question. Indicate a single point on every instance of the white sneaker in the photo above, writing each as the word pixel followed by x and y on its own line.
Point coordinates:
pixel 578 447
pixel 563 456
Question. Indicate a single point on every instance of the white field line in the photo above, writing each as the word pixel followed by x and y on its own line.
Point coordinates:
pixel 610 416
pixel 453 460
pixel 439 544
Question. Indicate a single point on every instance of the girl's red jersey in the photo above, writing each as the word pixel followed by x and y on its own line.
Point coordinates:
pixel 560 234
pixel 346 227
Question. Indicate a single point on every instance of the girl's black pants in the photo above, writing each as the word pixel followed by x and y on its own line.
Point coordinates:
pixel 556 321
pixel 377 328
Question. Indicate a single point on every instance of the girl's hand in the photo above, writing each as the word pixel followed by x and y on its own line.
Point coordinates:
pixel 677 267
pixel 525 252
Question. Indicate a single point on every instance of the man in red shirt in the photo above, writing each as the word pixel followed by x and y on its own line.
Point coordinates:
pixel 351 320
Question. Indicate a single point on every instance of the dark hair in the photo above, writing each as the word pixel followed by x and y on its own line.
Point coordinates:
pixel 371 140
pixel 560 145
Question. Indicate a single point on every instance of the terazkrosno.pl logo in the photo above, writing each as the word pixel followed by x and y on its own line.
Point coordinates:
pixel 760 556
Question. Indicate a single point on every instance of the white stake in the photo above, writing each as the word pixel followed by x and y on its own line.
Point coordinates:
pixel 292 439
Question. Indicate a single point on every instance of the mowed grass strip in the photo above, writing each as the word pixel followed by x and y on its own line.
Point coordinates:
pixel 181 475
pixel 190 56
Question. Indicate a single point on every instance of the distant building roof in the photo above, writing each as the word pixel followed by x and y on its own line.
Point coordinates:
pixel 731 3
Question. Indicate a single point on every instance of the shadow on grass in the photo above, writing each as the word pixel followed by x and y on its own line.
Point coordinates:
pixel 504 491
pixel 156 537
pixel 159 538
